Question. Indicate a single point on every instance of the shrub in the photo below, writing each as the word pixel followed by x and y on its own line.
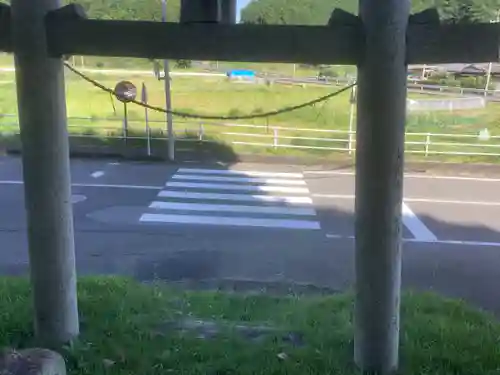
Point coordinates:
pixel 328 72
pixel 468 82
pixel 183 64
pixel 438 76
pixel 451 82
pixel 233 112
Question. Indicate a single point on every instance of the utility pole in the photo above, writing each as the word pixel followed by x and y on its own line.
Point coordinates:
pixel 168 96
pixel 490 65
pixel 488 79
pixel 46 169
pixel 379 183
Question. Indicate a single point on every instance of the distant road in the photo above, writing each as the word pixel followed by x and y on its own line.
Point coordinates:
pixel 132 72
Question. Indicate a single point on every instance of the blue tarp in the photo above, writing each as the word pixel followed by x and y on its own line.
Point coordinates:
pixel 241 73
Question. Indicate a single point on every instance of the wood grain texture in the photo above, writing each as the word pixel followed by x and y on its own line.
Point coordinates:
pixel 335 44
pixel 436 44
pixel 5 34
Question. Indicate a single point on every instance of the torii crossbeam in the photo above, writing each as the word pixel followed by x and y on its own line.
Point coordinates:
pixel 382 41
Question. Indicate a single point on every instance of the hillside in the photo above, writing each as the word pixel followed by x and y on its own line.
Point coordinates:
pixel 130 9
pixel 127 9
pixel 317 12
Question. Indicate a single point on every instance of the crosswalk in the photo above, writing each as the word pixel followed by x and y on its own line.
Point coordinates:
pixel 234 198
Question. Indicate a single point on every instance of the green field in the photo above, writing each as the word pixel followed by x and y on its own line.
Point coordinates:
pixel 212 96
pixel 131 328
pixel 216 96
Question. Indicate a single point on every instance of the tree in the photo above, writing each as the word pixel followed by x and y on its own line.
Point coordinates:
pixel 127 9
pixel 463 11
pixel 130 9
pixel 293 12
pixel 317 12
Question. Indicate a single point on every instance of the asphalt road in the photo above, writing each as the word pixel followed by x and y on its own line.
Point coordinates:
pixel 274 224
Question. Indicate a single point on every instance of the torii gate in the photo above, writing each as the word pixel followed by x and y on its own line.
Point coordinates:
pixel 381 42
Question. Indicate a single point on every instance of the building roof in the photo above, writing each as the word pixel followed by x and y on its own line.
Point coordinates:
pixel 469 68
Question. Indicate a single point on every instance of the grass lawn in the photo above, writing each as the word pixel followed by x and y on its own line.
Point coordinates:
pixel 129 328
pixel 216 96
pixel 208 95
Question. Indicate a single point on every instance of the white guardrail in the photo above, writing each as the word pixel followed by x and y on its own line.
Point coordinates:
pixel 411 85
pixel 271 137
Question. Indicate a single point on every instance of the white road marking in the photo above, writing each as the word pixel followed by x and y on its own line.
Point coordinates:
pixel 77 198
pixel 97 174
pixel 255 180
pixel 416 226
pixel 445 201
pixel 457 178
pixel 234 197
pixel 339 237
pixel 410 175
pixel 334 196
pixel 276 189
pixel 232 208
pixel 117 186
pixel 436 242
pixel 270 198
pixel 462 243
pixel 10 182
pixel 230 221
pixel 105 186
pixel 414 200
pixel 238 172
pixel 330 173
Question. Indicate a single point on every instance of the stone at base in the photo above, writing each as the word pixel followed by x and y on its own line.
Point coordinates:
pixel 31 362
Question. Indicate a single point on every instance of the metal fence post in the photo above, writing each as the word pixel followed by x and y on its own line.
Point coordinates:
pixel 201 132
pixel 125 122
pixel 148 133
pixel 144 99
pixel 427 143
pixel 275 138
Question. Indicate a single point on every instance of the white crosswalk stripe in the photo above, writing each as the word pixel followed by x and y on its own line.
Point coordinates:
pixel 230 221
pixel 242 173
pixel 255 180
pixel 234 197
pixel 227 198
pixel 266 188
pixel 233 208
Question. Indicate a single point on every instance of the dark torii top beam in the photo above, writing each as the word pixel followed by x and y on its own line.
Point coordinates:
pixel 71 33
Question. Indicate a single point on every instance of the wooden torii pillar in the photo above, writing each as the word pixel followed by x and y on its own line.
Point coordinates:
pixel 382 41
